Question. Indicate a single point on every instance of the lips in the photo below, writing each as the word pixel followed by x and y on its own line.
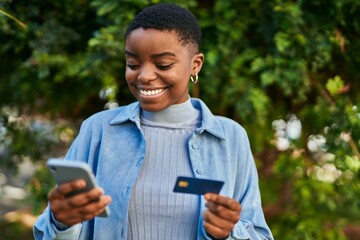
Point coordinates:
pixel 151 92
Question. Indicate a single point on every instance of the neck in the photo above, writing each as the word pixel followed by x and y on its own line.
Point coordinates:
pixel 178 114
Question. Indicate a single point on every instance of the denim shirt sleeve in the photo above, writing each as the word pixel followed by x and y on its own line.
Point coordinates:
pixel 59 225
pixel 241 175
pixel 243 230
pixel 45 229
pixel 46 226
pixel 252 224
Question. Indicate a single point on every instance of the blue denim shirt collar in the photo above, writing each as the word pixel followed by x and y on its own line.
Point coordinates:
pixel 208 122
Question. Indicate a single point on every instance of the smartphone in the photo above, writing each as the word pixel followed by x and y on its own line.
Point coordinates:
pixel 66 171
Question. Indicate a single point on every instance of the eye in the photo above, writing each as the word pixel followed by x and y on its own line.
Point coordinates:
pixel 133 66
pixel 164 67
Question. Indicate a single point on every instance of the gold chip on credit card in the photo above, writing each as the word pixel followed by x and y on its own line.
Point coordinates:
pixel 183 183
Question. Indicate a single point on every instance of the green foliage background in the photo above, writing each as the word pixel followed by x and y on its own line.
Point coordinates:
pixel 265 61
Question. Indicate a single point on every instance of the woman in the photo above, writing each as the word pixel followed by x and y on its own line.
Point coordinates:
pixel 137 151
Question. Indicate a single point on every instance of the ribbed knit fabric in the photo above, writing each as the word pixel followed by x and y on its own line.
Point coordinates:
pixel 155 211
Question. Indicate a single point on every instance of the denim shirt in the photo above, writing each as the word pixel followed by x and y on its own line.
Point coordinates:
pixel 112 143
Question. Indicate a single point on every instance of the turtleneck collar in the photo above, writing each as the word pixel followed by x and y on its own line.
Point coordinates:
pixel 177 115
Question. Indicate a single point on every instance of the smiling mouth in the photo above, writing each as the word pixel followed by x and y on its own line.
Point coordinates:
pixel 151 92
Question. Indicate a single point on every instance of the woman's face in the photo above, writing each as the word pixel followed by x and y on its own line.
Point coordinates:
pixel 158 68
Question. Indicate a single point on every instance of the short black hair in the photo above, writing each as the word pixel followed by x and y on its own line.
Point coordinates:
pixel 169 17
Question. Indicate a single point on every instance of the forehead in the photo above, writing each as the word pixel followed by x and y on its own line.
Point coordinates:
pixel 153 35
pixel 147 39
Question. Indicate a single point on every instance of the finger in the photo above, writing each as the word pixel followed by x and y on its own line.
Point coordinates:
pixel 215 231
pixel 85 198
pixel 78 200
pixel 57 197
pixel 95 208
pixel 226 202
pixel 84 216
pixel 223 212
pixel 219 222
pixel 83 213
pixel 65 188
pixel 54 194
pixel 225 208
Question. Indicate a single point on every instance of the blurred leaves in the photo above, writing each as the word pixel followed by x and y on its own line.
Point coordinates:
pixel 21 24
pixel 39 187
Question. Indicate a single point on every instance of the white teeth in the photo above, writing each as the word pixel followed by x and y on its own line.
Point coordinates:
pixel 151 92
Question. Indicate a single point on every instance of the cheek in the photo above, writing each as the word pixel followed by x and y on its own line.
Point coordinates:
pixel 172 77
pixel 177 77
pixel 130 76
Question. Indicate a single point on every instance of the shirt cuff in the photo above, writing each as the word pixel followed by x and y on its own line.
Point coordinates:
pixel 58 225
pixel 245 230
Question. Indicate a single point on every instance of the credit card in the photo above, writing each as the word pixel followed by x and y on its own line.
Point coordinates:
pixel 198 186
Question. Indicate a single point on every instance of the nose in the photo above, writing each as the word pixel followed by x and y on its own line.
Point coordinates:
pixel 146 74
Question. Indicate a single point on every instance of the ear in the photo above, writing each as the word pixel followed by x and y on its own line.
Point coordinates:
pixel 197 62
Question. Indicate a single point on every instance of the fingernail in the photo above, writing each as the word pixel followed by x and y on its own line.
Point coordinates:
pixel 82 183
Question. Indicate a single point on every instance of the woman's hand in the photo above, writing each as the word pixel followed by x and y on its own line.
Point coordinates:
pixel 221 215
pixel 77 208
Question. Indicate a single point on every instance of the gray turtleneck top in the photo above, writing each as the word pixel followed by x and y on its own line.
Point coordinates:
pixel 155 211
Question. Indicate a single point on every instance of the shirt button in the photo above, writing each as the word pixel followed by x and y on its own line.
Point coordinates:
pixel 198 171
pixel 194 146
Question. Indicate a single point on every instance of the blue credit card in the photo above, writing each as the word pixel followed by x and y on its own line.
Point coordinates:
pixel 198 186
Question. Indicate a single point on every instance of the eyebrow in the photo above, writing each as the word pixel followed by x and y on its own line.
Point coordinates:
pixel 155 55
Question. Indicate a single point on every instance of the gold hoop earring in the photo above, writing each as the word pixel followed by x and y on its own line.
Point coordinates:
pixel 195 78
